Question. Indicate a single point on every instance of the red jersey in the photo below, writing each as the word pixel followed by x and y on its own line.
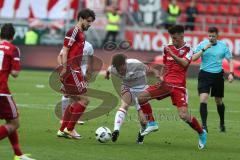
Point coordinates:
pixel 74 40
pixel 9 60
pixel 173 72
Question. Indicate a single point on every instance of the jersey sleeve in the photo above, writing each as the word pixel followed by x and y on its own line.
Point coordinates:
pixel 198 48
pixel 228 54
pixel 189 55
pixel 16 59
pixel 70 37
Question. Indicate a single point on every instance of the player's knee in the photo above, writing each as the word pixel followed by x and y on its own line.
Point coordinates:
pixel 218 101
pixel 203 97
pixel 183 116
pixel 124 106
pixel 143 97
pixel 84 101
pixel 13 125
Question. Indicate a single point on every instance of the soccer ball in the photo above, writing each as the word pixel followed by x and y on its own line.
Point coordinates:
pixel 103 134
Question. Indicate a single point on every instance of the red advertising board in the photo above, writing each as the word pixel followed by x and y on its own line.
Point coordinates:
pixel 154 40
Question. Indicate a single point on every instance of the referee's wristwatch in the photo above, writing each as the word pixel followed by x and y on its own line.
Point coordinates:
pixel 203 50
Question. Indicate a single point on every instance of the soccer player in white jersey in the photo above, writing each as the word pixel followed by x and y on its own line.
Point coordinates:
pixel 132 72
pixel 87 62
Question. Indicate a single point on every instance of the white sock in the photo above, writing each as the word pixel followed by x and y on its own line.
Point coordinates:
pixel 65 103
pixel 119 118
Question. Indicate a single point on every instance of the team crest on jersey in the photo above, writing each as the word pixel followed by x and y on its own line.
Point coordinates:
pixel 181 52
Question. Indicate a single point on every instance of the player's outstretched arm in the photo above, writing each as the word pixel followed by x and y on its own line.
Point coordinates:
pixel 197 55
pixel 156 72
pixel 231 75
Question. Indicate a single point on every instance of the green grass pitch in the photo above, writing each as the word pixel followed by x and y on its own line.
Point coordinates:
pixel 175 140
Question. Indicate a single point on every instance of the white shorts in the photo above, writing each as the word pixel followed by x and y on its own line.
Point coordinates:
pixel 134 91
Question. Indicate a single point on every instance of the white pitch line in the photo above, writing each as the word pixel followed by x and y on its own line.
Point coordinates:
pixel 51 106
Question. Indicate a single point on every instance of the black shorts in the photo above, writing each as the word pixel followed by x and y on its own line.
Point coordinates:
pixel 213 82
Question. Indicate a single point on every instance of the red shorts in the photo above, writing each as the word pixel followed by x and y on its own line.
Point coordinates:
pixel 162 90
pixel 8 109
pixel 73 83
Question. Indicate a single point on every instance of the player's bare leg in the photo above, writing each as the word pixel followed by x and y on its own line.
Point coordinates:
pixel 120 115
pixel 193 122
pixel 126 101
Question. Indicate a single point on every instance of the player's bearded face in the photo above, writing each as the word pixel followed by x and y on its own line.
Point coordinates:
pixel 212 37
pixel 87 23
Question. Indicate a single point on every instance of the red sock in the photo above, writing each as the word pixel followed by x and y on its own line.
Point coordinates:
pixel 147 110
pixel 195 125
pixel 77 111
pixel 13 138
pixel 66 117
pixel 3 132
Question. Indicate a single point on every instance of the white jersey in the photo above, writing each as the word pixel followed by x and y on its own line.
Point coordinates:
pixel 135 76
pixel 87 51
pixel 135 79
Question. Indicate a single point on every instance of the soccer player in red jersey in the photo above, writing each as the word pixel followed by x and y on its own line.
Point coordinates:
pixel 71 76
pixel 9 65
pixel 176 59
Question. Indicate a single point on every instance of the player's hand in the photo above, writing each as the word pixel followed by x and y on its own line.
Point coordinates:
pixel 230 78
pixel 107 75
pixel 88 76
pixel 168 50
pixel 161 78
pixel 63 72
pixel 209 45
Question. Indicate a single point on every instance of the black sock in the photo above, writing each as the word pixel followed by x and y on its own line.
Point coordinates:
pixel 203 113
pixel 221 110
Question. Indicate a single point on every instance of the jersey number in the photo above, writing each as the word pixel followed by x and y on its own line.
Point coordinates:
pixel 1 59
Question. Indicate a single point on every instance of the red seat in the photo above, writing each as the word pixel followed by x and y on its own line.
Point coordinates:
pixel 201 8
pixel 165 5
pixel 236 30
pixel 199 19
pixel 232 20
pixel 225 29
pixel 210 19
pixel 211 8
pixel 220 20
pixel 222 8
pixel 224 1
pixel 235 1
pixel 234 10
pixel 238 20
pixel 198 28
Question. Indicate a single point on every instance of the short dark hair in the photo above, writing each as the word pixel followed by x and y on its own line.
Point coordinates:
pixel 213 30
pixel 86 13
pixel 118 60
pixel 176 29
pixel 7 31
